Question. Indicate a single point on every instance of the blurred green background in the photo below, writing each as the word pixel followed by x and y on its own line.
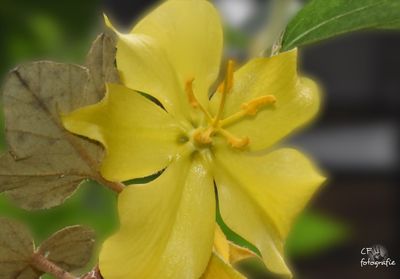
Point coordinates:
pixel 62 31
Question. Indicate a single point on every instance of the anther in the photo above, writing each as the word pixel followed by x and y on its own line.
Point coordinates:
pixel 249 108
pixel 253 106
pixel 234 141
pixel 239 142
pixel 193 100
pixel 190 94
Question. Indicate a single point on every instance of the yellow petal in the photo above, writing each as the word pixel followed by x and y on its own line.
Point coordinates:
pixel 228 251
pixel 238 253
pixel 259 196
pixel 167 226
pixel 140 137
pixel 190 32
pixel 221 244
pixel 219 269
pixel 297 99
pixel 143 66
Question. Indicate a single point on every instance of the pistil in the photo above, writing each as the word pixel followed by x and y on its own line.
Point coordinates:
pixel 224 89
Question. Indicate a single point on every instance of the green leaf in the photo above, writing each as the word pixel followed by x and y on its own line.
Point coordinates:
pixel 314 233
pixel 16 249
pixel 45 163
pixel 70 248
pixel 323 19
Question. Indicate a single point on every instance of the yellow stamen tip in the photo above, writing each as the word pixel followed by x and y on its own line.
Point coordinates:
pixel 253 106
pixel 234 141
pixel 221 88
pixel 190 94
pixel 239 142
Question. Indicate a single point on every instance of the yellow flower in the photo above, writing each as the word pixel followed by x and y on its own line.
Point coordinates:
pixel 167 227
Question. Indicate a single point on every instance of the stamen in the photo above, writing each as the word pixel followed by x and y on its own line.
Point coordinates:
pixel 225 88
pixel 234 141
pixel 190 94
pixel 193 100
pixel 249 108
pixel 221 87
pixel 229 76
pixel 252 107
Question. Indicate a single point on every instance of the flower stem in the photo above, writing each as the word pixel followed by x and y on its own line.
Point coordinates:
pixel 94 274
pixel 113 185
pixel 43 264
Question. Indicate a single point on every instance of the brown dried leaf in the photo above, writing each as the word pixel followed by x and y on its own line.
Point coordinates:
pixel 70 248
pixel 16 249
pixel 32 185
pixel 44 153
pixel 101 63
pixel 46 164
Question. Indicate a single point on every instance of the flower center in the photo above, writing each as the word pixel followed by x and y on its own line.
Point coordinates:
pixel 203 136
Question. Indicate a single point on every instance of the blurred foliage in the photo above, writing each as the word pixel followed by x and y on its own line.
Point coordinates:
pixel 314 233
pixel 235 38
pixel 61 31
pixel 45 29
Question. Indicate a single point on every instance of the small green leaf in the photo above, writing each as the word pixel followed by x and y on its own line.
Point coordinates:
pixel 323 19
pixel 70 248
pixel 313 233
pixel 16 249
pixel 45 163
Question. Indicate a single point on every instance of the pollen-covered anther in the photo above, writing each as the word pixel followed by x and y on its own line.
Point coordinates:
pixel 193 100
pixel 253 106
pixel 250 108
pixel 239 142
pixel 234 141
pixel 190 94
